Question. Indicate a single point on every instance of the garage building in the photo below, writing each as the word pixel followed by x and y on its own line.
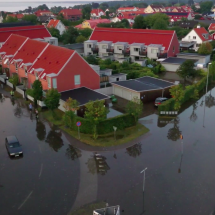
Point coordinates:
pixel 145 88
pixel 171 64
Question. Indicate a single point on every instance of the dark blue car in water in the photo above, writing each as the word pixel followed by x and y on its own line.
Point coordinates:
pixel 13 146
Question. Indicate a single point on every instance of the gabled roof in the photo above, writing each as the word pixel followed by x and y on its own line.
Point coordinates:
pixel 126 8
pixel 187 23
pixel 15 24
pixel 40 12
pixel 96 11
pixel 18 16
pixel 147 36
pixel 52 60
pixel 94 22
pixel 69 12
pixel 30 50
pixel 202 31
pixel 53 23
pixel 35 31
pixel 211 27
pixel 12 45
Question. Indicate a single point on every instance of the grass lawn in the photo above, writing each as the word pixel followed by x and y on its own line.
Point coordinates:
pixel 122 136
pixel 88 209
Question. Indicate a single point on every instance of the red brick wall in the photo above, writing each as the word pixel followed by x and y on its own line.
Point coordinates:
pixel 31 79
pixel 175 44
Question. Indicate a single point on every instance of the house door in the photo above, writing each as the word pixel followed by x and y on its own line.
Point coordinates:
pixel 7 71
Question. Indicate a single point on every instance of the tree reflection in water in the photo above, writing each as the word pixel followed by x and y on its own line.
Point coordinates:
pixel 72 152
pixel 2 98
pixel 54 138
pixel 209 100
pixel 18 109
pixel 41 130
pixel 134 150
pixel 193 116
pixel 174 133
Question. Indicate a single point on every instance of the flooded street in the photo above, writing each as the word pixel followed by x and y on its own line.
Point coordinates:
pixel 58 174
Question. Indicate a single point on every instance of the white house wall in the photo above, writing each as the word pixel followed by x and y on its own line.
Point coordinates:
pixel 60 26
pixel 170 67
pixel 125 93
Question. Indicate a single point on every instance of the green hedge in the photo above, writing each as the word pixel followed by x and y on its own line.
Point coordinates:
pixel 188 93
pixel 104 127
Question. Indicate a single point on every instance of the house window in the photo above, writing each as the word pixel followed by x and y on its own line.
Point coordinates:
pixel 104 46
pixel 89 45
pixel 36 74
pixel 77 80
pixel 16 66
pixel 26 71
pixel 194 37
pixel 49 82
pixel 54 83
pixel 136 49
pixel 154 51
pixel 119 48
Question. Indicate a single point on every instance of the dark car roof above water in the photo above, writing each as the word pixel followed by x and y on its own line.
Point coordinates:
pixel 12 139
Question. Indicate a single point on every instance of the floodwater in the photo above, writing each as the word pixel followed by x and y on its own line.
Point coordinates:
pixel 58 174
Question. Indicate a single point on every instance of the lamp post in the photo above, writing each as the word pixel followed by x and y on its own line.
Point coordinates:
pixel 207 77
pixel 144 177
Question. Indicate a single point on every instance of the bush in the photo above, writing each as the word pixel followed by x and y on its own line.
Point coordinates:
pixel 29 92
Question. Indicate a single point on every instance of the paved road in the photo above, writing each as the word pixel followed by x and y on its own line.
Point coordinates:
pixel 53 177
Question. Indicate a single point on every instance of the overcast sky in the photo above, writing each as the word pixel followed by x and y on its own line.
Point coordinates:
pixel 44 1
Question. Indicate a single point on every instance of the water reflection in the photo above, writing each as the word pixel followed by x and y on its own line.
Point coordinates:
pixel 41 130
pixel 18 109
pixel 193 116
pixel 2 98
pixel 174 133
pixel 54 138
pixel 72 152
pixel 12 101
pixel 209 100
pixel 163 121
pixel 134 150
pixel 97 164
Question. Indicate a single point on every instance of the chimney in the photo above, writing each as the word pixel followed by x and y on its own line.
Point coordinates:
pixel 198 26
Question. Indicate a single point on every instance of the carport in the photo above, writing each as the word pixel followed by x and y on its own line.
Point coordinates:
pixel 145 88
pixel 171 64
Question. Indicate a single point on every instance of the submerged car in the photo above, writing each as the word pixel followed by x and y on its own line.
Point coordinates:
pixel 13 146
pixel 160 100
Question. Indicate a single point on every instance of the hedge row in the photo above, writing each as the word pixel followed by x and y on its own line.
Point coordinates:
pixel 188 93
pixel 104 127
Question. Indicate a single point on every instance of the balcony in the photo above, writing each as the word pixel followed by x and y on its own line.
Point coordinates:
pixel 143 53
pixel 126 52
pixel 162 55
pixel 95 50
pixel 110 50
pixel 104 78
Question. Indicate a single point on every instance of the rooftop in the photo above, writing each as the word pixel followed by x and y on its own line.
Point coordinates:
pixel 174 60
pixel 144 84
pixel 77 94
pixel 190 54
pixel 15 24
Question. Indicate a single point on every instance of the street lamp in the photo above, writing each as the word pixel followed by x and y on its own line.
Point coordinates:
pixel 207 77
pixel 144 177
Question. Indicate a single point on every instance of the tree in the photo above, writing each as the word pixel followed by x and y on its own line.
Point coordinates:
pixel 9 19
pixel 95 112
pixel 92 60
pixel 104 6
pixel 125 23
pixel 205 48
pixel 37 91
pixel 151 19
pixel 54 32
pixel 80 39
pixel 70 35
pixel 160 24
pixel 30 18
pixel 95 5
pixel 86 32
pixel 14 80
pixel 135 108
pixel 86 11
pixel 206 6
pixel 139 22
pixel 197 16
pixel 177 93
pixel 186 69
pixel 52 99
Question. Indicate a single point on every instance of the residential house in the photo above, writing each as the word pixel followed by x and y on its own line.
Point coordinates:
pixel 155 9
pixel 211 27
pixel 92 23
pixel 1 18
pixel 96 13
pixel 33 32
pixel 45 19
pixel 43 13
pixel 54 66
pixel 121 44
pixel 16 24
pixel 71 14
pixel 127 9
pixel 187 24
pixel 57 24
pixel 19 16
pixel 198 35
pixel 175 16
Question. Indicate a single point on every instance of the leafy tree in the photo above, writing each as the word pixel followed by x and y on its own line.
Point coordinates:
pixel 181 32
pixel 151 19
pixel 95 5
pixel 86 11
pixel 213 43
pixel 14 80
pixel 135 108
pixel 52 99
pixel 186 69
pixel 205 48
pixel 43 7
pixel 107 14
pixel 139 22
pixel 69 36
pixel 160 24
pixel 92 60
pixel 125 23
pixel 80 39
pixel 86 32
pixel 30 18
pixel 197 16
pixel 104 6
pixel 95 112
pixel 190 2
pixel 9 19
pixel 177 93
pixel 37 91
pixel 206 6
pixel 54 32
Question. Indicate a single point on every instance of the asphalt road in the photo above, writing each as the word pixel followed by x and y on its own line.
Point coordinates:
pixel 53 177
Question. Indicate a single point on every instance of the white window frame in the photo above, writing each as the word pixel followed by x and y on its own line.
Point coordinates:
pixel 136 49
pixel 89 46
pixel 54 84
pixel 154 51
pixel 75 80
pixel 49 82
pixel 16 66
pixel 104 46
pixel 194 37
pixel 26 71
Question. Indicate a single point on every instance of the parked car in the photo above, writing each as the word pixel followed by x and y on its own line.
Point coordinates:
pixel 160 100
pixel 13 146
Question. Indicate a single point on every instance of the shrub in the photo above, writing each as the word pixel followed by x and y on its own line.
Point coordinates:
pixel 29 92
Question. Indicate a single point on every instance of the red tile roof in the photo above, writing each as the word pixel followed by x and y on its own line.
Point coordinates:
pixel 126 8
pixel 40 12
pixel 13 43
pixel 53 23
pixel 52 60
pixel 70 12
pixel 34 31
pixel 147 36
pixel 212 27
pixel 94 22
pixel 97 11
pixel 200 32
pixel 30 50
pixel 18 16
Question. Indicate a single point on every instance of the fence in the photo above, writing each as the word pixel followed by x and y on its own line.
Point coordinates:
pixel 106 91
pixel 9 84
pixel 2 78
pixel 61 102
pixel 20 90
